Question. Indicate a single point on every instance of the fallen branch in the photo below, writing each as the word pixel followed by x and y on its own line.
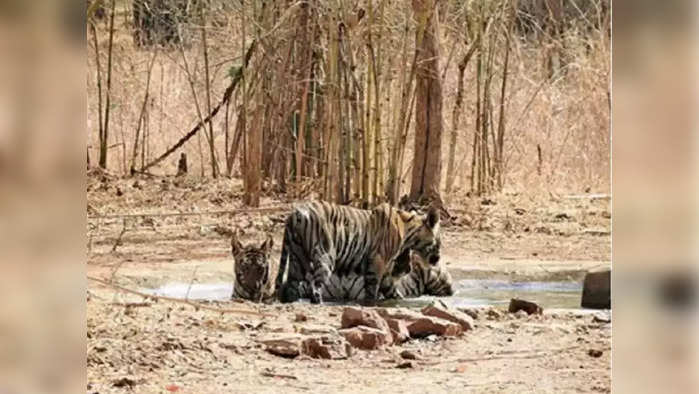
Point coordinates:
pixel 177 300
pixel 226 97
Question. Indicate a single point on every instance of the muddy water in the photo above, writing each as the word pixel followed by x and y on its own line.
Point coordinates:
pixel 468 292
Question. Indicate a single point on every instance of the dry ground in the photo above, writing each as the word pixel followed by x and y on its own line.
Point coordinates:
pixel 159 347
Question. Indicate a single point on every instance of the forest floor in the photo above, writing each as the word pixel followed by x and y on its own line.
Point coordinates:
pixel 144 346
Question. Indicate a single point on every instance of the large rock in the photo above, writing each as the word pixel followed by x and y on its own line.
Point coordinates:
pixel 399 313
pixel 399 330
pixel 429 325
pixel 597 289
pixel 438 309
pixel 365 338
pixel 353 317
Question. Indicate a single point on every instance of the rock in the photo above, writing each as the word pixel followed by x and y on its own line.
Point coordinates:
pixel 595 353
pixel 530 307
pixel 429 325
pixel 399 313
pixel 441 311
pixel 493 314
pixel 405 365
pixel 473 312
pixel 399 330
pixel 597 289
pixel 314 348
pixel 317 329
pixel 300 317
pixel 353 317
pixel 408 355
pixel 283 346
pixel 365 338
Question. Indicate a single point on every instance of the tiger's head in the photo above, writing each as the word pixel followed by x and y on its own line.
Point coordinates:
pixel 423 236
pixel 251 264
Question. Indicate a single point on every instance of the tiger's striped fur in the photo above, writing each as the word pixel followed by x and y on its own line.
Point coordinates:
pixel 433 280
pixel 253 270
pixel 327 248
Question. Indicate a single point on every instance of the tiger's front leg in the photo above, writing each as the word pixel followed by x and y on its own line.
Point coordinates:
pixel 320 275
pixel 372 281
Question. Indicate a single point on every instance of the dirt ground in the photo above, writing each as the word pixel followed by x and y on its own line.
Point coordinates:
pixel 136 344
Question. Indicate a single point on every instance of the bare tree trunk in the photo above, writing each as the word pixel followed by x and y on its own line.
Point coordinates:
pixel 456 113
pixel 212 149
pixel 105 130
pixel 141 117
pixel 100 130
pixel 401 126
pixel 427 164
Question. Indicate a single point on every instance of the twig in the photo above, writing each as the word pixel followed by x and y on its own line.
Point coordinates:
pixel 177 300
pixel 277 375
pixel 189 287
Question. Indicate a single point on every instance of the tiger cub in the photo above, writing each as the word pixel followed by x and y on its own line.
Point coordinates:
pixel 252 270
pixel 434 280
pixel 324 242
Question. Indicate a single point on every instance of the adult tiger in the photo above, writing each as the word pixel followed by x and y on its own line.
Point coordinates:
pixel 323 241
pixel 253 270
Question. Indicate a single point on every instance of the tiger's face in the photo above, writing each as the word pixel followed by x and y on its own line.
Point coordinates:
pixel 426 243
pixel 251 264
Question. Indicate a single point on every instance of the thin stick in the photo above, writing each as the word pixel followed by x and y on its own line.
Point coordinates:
pixel 177 300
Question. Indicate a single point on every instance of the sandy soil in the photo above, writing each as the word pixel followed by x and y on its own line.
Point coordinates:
pixel 166 347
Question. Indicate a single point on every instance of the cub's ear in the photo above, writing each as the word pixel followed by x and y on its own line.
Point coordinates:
pixel 236 246
pixel 432 218
pixel 267 244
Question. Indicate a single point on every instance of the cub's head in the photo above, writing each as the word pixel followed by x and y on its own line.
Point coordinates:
pixel 251 263
pixel 423 236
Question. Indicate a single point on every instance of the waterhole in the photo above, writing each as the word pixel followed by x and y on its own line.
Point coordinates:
pixel 467 292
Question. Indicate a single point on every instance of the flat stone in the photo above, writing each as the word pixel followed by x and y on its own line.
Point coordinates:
pixel 430 325
pixel 365 338
pixel 287 346
pixel 399 313
pixel 408 355
pixel 353 317
pixel 441 311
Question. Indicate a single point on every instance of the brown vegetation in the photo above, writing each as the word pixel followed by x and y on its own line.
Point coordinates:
pixel 325 104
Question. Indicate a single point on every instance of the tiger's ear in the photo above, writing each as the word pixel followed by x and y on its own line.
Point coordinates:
pixel 236 246
pixel 267 244
pixel 432 218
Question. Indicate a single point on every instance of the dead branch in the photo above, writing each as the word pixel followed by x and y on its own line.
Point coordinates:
pixel 226 97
